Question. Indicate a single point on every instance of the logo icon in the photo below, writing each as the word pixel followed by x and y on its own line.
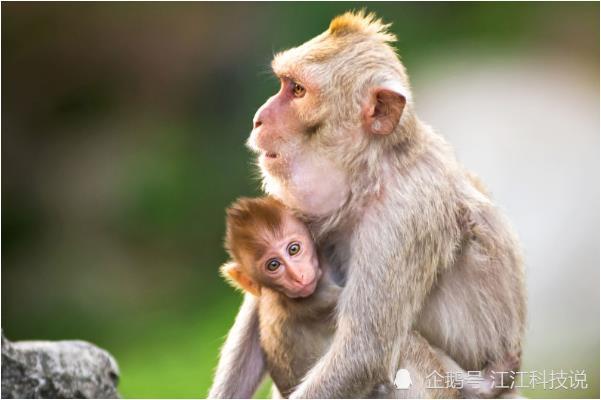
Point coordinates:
pixel 402 380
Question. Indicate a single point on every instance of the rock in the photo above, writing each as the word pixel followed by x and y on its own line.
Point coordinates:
pixel 64 369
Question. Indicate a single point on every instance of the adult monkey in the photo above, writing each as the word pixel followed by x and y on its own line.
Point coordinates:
pixel 428 262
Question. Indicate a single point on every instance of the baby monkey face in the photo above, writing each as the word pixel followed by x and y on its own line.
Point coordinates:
pixel 290 263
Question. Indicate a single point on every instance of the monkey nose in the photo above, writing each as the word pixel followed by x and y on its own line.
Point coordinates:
pixel 295 275
pixel 257 123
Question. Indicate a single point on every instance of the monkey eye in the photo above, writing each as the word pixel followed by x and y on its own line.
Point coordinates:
pixel 294 248
pixel 272 265
pixel 298 90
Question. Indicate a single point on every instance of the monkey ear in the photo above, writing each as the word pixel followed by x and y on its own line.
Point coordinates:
pixel 384 108
pixel 234 274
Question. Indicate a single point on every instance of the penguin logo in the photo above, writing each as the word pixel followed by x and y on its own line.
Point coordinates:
pixel 402 380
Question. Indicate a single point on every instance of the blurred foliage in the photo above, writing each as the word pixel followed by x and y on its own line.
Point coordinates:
pixel 122 142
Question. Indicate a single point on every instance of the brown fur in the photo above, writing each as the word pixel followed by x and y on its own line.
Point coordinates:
pixel 248 221
pixel 427 259
pixel 360 22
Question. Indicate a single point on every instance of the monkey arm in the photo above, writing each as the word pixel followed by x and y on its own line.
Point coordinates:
pixel 396 252
pixel 241 366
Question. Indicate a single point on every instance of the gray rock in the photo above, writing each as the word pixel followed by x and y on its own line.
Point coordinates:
pixel 64 369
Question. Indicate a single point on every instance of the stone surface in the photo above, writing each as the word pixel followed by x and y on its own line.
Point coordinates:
pixel 63 369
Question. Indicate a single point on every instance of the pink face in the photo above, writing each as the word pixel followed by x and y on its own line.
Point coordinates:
pixel 290 264
pixel 283 135
pixel 277 126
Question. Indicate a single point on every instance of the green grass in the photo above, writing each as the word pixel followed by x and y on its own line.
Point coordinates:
pixel 176 355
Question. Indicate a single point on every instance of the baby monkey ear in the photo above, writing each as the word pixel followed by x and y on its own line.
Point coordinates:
pixel 384 107
pixel 236 277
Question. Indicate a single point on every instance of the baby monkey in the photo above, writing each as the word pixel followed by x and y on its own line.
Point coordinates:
pixel 273 257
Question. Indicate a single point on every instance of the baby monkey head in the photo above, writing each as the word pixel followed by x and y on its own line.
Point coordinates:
pixel 269 248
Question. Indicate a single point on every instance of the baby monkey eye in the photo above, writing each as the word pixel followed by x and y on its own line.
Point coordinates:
pixel 294 248
pixel 298 90
pixel 272 265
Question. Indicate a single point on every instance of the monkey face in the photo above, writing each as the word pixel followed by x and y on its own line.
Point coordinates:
pixel 290 263
pixel 335 113
pixel 278 126
pixel 296 167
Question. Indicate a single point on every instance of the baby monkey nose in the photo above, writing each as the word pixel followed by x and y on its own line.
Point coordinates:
pixel 297 276
pixel 257 123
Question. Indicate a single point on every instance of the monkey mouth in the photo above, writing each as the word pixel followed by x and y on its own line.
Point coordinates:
pixel 308 289
pixel 274 164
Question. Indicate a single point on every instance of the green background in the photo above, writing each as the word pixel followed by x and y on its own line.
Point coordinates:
pixel 123 129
